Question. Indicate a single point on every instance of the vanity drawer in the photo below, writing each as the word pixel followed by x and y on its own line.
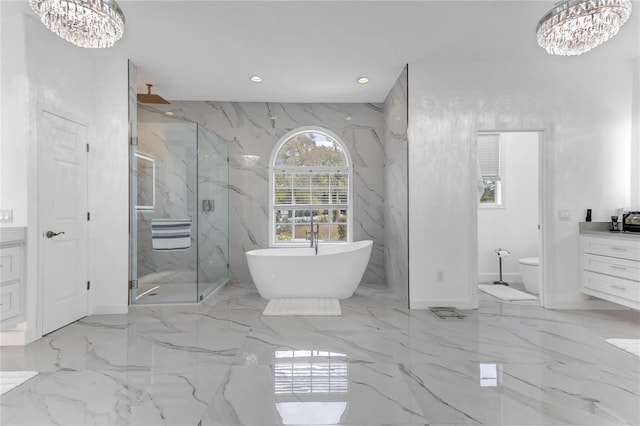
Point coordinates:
pixel 10 264
pixel 618 287
pixel 10 301
pixel 621 268
pixel 624 249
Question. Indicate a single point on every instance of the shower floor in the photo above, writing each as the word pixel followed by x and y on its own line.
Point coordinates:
pixel 166 287
pixel 167 293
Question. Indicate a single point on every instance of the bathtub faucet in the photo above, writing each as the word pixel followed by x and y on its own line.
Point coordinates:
pixel 313 235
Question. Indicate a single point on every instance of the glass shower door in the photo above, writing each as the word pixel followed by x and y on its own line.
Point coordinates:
pixel 213 212
pixel 165 211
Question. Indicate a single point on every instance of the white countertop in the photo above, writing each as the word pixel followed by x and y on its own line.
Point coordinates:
pixel 14 234
pixel 602 229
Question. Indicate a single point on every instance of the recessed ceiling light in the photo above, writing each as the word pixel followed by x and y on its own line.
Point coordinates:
pixel 256 78
pixel 363 80
pixel 170 113
pixel 348 118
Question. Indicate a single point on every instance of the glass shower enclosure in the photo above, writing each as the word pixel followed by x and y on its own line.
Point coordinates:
pixel 179 213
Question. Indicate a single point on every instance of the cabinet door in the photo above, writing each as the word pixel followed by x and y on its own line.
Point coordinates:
pixel 9 301
pixel 10 264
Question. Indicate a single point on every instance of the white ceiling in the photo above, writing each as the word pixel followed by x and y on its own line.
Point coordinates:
pixel 313 51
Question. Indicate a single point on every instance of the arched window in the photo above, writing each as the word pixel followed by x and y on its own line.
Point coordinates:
pixel 310 178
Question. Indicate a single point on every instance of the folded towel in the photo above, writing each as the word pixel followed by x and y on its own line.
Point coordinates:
pixel 171 234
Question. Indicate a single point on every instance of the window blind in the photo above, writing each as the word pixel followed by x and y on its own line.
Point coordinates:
pixel 489 155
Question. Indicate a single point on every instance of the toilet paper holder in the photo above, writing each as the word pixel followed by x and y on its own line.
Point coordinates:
pixel 501 253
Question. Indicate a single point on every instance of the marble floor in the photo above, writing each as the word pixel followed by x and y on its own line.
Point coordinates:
pixel 223 363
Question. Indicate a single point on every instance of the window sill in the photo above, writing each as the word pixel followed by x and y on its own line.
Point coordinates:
pixel 491 206
pixel 307 244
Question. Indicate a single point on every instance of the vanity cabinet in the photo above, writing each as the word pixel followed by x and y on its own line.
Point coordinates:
pixel 11 285
pixel 611 269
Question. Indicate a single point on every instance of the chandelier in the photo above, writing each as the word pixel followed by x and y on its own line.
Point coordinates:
pixel 574 27
pixel 85 23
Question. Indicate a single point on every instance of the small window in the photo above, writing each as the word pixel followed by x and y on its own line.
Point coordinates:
pixel 310 181
pixel 490 159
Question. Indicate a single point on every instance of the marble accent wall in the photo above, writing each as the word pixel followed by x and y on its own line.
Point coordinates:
pixel 396 202
pixel 254 129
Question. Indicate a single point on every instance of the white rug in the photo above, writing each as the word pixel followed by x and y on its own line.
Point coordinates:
pixel 303 307
pixel 503 292
pixel 11 379
pixel 630 345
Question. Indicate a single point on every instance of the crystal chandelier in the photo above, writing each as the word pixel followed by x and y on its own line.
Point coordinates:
pixel 574 27
pixel 85 23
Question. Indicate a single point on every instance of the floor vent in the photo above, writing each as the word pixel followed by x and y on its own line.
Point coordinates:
pixel 446 312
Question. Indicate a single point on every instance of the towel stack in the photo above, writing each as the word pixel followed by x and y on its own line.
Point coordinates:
pixel 171 234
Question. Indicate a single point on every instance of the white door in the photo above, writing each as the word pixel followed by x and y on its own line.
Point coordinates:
pixel 62 197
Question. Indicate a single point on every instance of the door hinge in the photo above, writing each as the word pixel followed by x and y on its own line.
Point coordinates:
pixel 88 149
pixel 227 159
pixel 133 284
pixel 133 141
pixel 88 216
pixel 88 285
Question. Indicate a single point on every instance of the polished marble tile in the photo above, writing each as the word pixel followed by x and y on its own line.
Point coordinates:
pixel 223 363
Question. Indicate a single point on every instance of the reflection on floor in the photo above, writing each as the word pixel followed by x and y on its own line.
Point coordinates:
pixel 223 363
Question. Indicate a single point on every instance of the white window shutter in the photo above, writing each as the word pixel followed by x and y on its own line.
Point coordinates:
pixel 489 155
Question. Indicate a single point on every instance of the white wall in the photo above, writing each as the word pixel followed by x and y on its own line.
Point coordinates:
pixel 514 226
pixel 40 71
pixel 586 140
pixel 109 187
pixel 14 131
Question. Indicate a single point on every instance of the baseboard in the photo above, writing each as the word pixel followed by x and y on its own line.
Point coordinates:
pixel 586 305
pixel 489 277
pixel 13 338
pixel 109 309
pixel 426 304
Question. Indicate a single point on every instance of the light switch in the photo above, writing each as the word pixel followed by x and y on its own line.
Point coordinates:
pixel 6 216
pixel 564 215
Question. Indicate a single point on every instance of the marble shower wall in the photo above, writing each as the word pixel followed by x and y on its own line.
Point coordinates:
pixel 254 129
pixel 173 147
pixel 396 202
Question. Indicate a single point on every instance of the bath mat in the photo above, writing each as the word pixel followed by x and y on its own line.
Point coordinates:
pixel 11 379
pixel 630 345
pixel 303 307
pixel 506 293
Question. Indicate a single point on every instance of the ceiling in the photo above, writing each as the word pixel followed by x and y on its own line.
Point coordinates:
pixel 313 51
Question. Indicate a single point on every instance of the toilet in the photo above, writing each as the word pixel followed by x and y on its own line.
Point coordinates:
pixel 530 273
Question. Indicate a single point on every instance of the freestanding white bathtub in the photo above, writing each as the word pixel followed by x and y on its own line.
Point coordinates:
pixel 334 272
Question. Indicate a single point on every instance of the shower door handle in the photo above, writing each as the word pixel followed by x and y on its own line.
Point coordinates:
pixel 51 234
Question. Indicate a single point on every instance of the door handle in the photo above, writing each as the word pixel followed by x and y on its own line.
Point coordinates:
pixel 51 234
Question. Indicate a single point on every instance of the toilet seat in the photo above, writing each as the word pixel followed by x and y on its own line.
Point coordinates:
pixel 531 261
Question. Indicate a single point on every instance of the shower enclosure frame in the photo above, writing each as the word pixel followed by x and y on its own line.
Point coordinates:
pixel 209 213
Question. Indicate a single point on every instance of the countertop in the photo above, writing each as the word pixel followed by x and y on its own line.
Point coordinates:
pixel 13 234
pixel 602 229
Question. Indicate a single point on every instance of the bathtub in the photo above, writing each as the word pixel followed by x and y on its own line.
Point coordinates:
pixel 298 272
